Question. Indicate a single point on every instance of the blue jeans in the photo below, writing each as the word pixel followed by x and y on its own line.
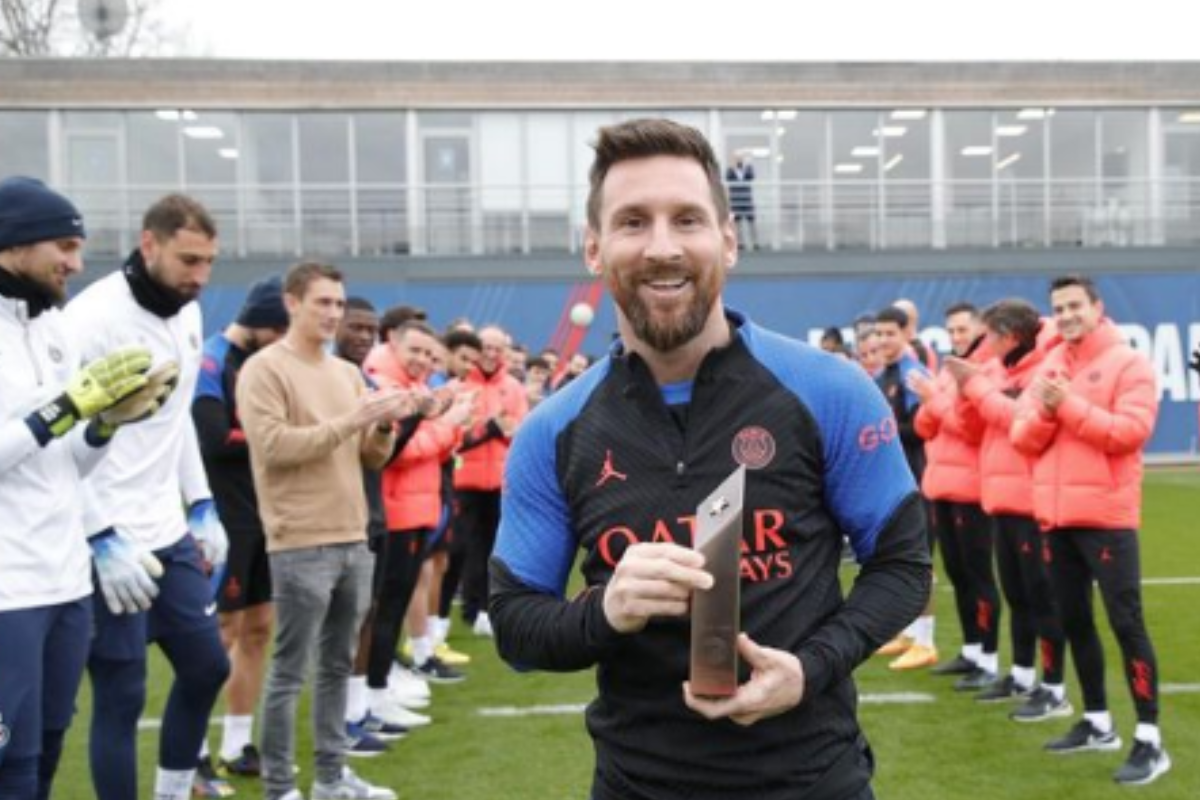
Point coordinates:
pixel 320 595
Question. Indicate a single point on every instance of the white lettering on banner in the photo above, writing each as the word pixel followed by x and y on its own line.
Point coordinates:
pixel 1166 352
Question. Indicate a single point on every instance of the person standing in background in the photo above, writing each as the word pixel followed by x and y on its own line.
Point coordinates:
pixel 739 176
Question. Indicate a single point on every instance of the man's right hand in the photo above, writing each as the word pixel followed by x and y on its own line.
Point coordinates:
pixel 653 580
pixel 125 572
pixel 97 387
pixel 383 406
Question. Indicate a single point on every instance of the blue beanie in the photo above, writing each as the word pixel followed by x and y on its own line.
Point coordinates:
pixel 31 212
pixel 264 305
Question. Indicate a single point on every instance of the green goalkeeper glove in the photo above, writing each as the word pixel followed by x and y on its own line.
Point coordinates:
pixel 143 403
pixel 95 388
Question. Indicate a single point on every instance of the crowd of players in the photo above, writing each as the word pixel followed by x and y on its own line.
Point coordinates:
pixel 1027 444
pixel 231 476
pixel 202 486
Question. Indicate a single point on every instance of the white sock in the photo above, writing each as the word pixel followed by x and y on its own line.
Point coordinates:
pixel 911 631
pixel 435 631
pixel 1023 676
pixel 924 631
pixel 1148 733
pixel 356 698
pixel 971 652
pixel 989 662
pixel 236 735
pixel 377 698
pixel 171 784
pixel 1101 720
pixel 1057 689
pixel 422 648
pixel 203 748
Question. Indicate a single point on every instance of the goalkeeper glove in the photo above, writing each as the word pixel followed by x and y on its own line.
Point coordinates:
pixel 143 403
pixel 95 388
pixel 125 572
pixel 209 534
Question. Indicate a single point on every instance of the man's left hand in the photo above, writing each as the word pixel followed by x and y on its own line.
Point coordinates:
pixel 776 685
pixel 209 534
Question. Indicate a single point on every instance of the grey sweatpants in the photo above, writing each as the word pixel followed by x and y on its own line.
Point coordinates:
pixel 320 595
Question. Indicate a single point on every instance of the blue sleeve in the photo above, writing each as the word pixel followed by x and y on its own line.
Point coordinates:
pixel 212 365
pixel 866 475
pixel 536 541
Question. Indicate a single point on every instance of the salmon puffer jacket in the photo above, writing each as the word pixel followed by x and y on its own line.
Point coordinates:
pixel 952 435
pixel 481 462
pixel 412 482
pixel 1088 471
pixel 1007 473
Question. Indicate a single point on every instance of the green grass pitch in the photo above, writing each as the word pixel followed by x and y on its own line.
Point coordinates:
pixel 946 749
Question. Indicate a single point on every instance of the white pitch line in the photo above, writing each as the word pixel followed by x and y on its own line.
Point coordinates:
pixel 899 698
pixel 1179 688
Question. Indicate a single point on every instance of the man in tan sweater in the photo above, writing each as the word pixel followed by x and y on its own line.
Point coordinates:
pixel 312 423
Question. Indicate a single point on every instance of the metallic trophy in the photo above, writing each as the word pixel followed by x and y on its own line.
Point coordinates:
pixel 716 613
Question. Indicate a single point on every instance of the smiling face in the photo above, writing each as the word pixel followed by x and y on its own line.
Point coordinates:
pixel 315 316
pixel 662 249
pixel 48 265
pixel 963 328
pixel 357 334
pixel 1075 313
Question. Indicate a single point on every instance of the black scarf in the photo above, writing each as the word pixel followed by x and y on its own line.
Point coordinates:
pixel 36 298
pixel 151 295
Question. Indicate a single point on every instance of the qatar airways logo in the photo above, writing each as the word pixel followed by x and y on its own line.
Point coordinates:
pixel 765 553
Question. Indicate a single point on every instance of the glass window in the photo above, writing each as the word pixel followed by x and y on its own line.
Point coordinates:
pixel 903 144
pixel 1181 176
pixel 324 148
pixel 1124 214
pixel 380 148
pixel 24 144
pixel 968 168
pixel 266 153
pixel 210 149
pixel 548 167
pixel 1020 178
pixel 427 120
pixel 1072 176
pixel 801 153
pixel 855 180
pixel 153 147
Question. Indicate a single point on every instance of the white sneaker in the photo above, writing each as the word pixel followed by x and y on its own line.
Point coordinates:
pixel 407 689
pixel 394 713
pixel 483 625
pixel 350 787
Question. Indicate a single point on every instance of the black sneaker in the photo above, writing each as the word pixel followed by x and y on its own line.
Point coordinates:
pixel 976 679
pixel 1003 691
pixel 1042 705
pixel 435 670
pixel 207 783
pixel 1145 763
pixel 955 666
pixel 247 765
pixel 384 731
pixel 1084 737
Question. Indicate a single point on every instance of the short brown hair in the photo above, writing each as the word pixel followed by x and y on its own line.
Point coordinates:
pixel 177 212
pixel 1014 316
pixel 643 138
pixel 300 276
pixel 1083 282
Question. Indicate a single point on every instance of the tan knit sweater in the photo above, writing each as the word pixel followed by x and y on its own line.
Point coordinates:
pixel 307 458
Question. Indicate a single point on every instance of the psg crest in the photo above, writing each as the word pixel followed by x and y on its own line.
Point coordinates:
pixel 754 447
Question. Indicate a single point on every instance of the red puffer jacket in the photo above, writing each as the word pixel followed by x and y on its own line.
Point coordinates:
pixel 952 434
pixel 1007 486
pixel 412 482
pixel 481 467
pixel 1089 453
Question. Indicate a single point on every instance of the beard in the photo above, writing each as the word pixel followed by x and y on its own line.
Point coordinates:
pixel 665 331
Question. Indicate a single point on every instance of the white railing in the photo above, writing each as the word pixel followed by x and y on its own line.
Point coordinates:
pixel 466 219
